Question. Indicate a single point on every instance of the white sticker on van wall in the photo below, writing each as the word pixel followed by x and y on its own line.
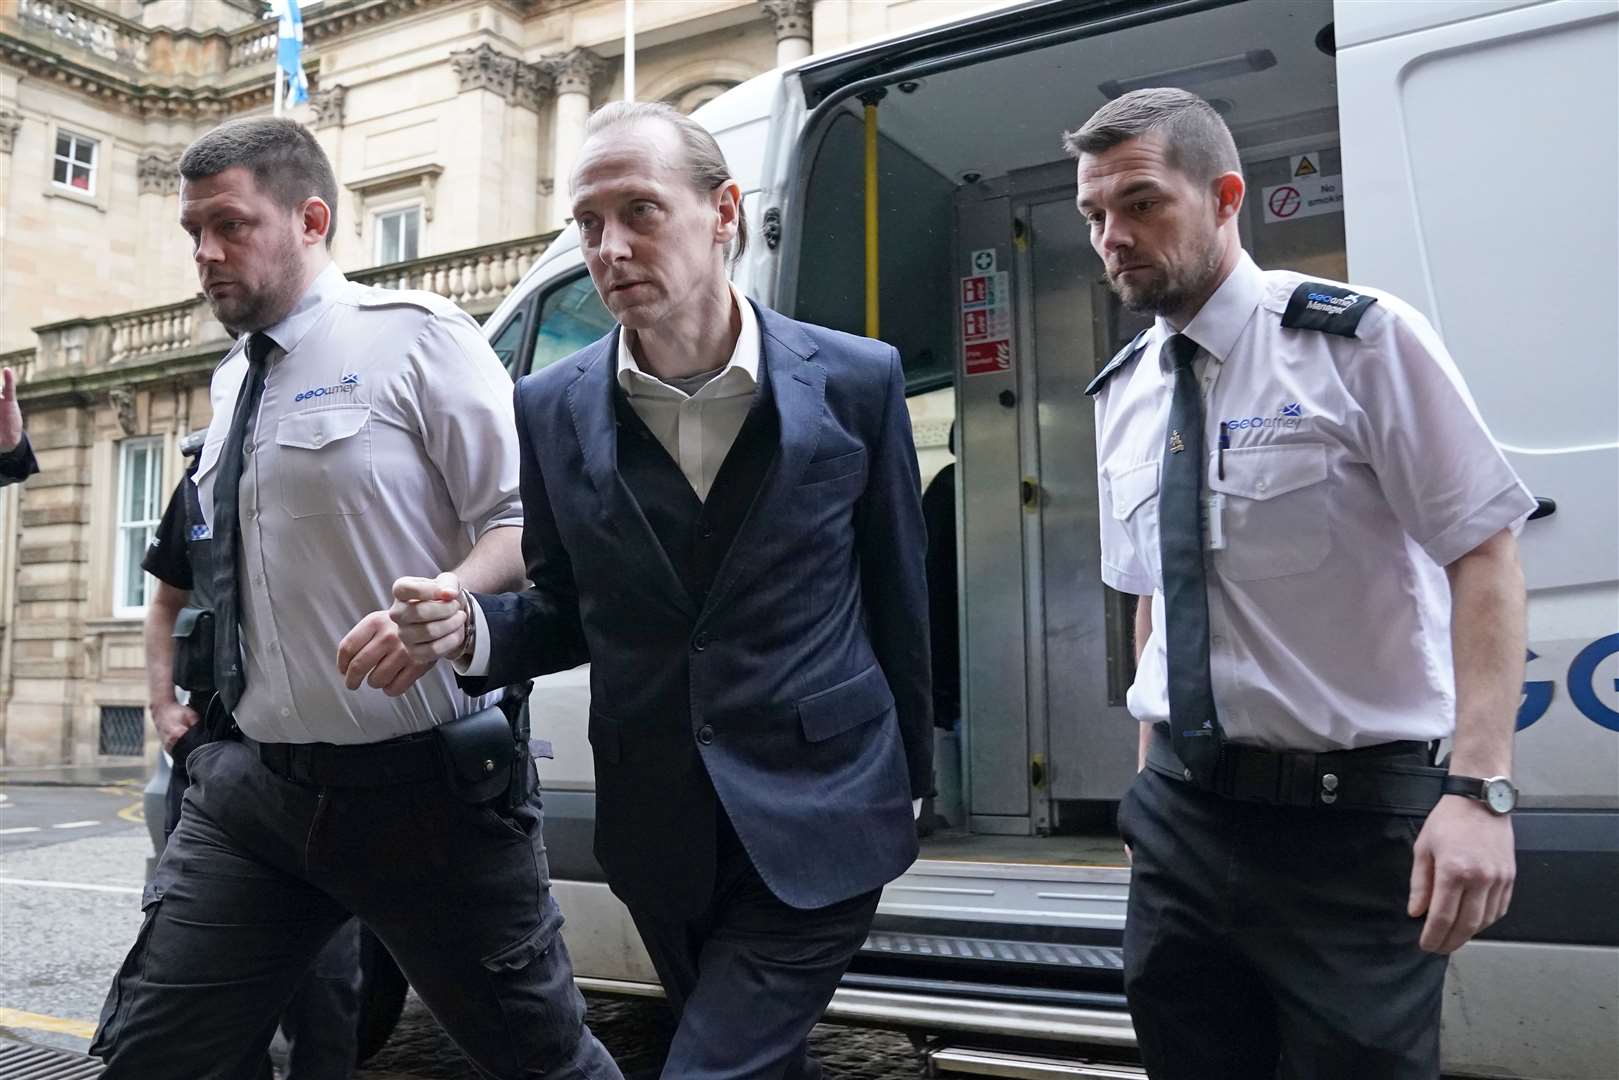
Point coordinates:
pixel 1303 197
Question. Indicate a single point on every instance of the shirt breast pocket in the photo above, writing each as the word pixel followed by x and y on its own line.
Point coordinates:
pixel 1277 516
pixel 1133 499
pixel 323 457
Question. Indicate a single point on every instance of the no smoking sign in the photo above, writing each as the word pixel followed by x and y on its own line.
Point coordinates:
pixel 1284 201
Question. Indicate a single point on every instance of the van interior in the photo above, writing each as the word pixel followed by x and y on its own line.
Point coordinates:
pixel 973 181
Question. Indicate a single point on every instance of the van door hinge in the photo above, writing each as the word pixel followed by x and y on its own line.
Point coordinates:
pixel 1037 771
pixel 772 229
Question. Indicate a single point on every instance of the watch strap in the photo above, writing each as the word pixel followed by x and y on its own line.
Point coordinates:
pixel 1470 786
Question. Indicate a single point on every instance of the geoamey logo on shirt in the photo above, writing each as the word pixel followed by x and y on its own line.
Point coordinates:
pixel 350 381
pixel 1288 418
pixel 1330 305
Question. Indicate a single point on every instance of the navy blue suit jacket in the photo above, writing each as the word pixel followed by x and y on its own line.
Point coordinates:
pixel 798 693
pixel 18 464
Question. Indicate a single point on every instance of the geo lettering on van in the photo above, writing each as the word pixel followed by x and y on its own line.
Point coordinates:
pixel 1582 687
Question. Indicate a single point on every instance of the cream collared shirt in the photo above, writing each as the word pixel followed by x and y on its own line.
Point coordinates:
pixel 697 429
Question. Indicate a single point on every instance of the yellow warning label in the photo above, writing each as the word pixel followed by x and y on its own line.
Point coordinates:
pixel 1305 167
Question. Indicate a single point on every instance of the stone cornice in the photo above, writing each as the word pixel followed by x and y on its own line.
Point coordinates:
pixel 150 100
pixel 117 61
pixel 792 18
pixel 328 106
pixel 86 384
pixel 576 71
pixel 159 172
pixel 486 68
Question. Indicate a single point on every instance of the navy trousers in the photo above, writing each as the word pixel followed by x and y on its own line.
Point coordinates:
pixel 261 871
pixel 751 976
pixel 1266 941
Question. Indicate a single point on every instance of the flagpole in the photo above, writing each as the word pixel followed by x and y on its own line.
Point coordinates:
pixel 629 50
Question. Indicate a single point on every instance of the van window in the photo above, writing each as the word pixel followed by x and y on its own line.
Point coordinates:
pixel 508 344
pixel 571 317
pixel 915 257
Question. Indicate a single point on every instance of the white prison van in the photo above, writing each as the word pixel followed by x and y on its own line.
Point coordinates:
pixel 1460 153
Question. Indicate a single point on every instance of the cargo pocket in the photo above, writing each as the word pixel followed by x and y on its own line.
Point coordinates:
pixel 532 981
pixel 1277 520
pixel 324 461
pixel 121 999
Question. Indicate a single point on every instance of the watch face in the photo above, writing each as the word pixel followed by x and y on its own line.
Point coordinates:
pixel 1500 795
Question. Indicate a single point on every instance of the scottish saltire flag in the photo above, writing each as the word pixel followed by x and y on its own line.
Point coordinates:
pixel 290 48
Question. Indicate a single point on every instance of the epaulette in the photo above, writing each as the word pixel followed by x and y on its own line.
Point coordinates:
pixel 1316 305
pixel 1124 356
pixel 431 302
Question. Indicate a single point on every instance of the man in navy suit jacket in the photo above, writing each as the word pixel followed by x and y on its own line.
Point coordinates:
pixel 722 514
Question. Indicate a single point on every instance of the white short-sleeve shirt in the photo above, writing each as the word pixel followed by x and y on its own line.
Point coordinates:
pixel 384 446
pixel 1355 469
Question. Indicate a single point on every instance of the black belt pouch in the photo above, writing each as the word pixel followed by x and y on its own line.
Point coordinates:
pixel 194 650
pixel 480 755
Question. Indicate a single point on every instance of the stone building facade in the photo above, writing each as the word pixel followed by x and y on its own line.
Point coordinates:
pixel 449 124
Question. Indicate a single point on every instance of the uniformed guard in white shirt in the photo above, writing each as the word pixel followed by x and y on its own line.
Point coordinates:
pixel 357 433
pixel 1296 483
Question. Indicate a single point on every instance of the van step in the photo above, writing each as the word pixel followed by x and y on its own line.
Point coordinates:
pixel 25 1061
pixel 960 1061
pixel 994 950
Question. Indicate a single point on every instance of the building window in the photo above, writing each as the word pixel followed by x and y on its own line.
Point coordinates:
pixel 75 164
pixel 140 508
pixel 123 730
pixel 397 234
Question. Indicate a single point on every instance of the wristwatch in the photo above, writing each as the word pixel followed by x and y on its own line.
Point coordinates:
pixel 1495 792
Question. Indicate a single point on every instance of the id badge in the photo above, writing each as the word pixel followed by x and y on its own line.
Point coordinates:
pixel 1214 522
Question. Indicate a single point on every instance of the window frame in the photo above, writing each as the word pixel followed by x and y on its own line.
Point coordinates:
pixel 75 140
pixel 153 445
pixel 401 212
pixel 106 158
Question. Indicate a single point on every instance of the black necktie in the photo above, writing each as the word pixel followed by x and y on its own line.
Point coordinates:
pixel 228 674
pixel 1193 725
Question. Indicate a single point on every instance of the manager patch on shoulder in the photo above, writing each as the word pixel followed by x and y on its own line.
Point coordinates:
pixel 1315 305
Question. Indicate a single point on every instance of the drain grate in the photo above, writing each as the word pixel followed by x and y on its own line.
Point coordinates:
pixel 21 1061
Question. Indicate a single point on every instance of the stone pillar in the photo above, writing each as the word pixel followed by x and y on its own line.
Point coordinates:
pixel 158 176
pixel 327 105
pixel 575 74
pixel 11 336
pixel 497 134
pixel 793 20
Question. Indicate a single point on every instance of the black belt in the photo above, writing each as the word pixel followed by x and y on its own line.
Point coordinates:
pixel 409 759
pixel 1393 777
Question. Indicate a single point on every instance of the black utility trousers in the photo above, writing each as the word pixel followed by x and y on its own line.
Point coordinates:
pixel 262 870
pixel 1272 941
